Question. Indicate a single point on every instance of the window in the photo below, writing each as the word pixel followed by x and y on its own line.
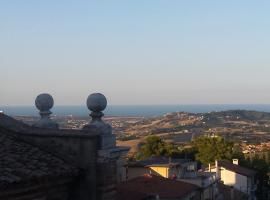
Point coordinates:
pixel 190 168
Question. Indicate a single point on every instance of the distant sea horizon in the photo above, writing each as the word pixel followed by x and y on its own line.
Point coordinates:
pixel 135 110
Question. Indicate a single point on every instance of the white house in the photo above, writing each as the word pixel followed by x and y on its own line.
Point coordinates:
pixel 240 178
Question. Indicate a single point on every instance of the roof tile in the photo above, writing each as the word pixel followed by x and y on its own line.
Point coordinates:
pixel 20 161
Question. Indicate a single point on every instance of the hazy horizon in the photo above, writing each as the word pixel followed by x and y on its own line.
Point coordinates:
pixel 184 104
pixel 135 52
pixel 132 110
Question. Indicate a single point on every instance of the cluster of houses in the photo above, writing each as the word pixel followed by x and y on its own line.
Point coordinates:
pixel 255 148
pixel 164 178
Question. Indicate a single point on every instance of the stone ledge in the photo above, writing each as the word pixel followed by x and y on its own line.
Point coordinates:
pixel 114 153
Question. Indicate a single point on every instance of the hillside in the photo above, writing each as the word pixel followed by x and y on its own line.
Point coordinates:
pixel 181 126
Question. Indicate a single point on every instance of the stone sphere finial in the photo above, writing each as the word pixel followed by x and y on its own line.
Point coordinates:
pixel 44 102
pixel 96 102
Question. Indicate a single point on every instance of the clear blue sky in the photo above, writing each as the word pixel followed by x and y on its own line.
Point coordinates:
pixel 135 52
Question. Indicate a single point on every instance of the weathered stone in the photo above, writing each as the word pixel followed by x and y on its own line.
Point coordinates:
pixel 44 102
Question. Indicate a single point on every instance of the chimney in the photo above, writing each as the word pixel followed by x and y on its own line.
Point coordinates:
pixel 235 161
pixel 216 163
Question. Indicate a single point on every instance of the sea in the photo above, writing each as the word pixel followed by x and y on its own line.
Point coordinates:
pixel 134 110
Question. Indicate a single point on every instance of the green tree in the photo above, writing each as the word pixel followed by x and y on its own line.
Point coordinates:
pixel 155 146
pixel 260 164
pixel 210 149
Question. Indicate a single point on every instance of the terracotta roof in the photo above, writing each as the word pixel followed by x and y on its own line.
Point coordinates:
pixel 147 185
pixel 236 168
pixel 22 162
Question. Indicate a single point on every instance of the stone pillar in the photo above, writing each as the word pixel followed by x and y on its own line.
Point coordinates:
pixel 108 153
pixel 44 102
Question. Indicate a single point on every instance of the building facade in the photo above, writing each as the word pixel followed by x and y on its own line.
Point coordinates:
pixel 236 176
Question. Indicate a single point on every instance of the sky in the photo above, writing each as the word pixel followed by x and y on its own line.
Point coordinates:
pixel 147 52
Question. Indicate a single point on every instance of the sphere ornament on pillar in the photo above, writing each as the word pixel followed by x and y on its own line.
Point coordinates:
pixel 44 102
pixel 97 103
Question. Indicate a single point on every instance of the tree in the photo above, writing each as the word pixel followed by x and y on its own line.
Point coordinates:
pixel 155 146
pixel 260 163
pixel 210 149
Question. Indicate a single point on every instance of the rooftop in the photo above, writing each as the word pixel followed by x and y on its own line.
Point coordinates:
pixel 236 168
pixel 23 162
pixel 147 185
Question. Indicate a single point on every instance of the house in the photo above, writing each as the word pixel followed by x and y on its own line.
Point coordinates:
pixel 177 169
pixel 154 187
pixel 240 178
pixel 158 165
pixel 43 162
